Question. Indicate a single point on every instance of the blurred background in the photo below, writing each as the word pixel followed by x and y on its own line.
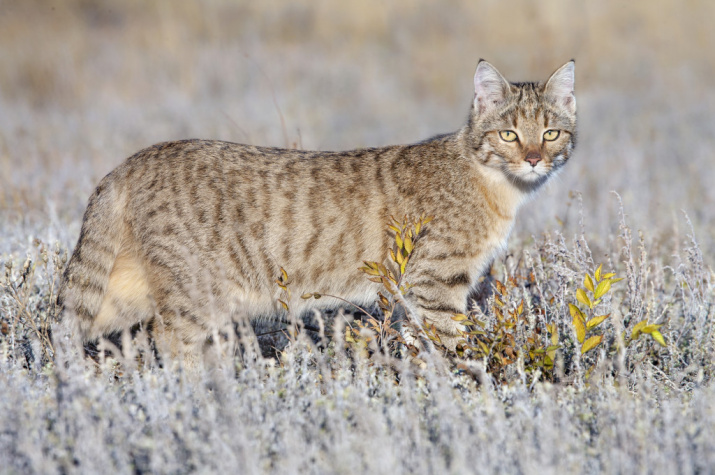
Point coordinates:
pixel 86 83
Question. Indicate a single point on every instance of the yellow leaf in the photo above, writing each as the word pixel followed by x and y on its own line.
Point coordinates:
pixel 500 288
pixel 498 301
pixel 316 295
pixel 284 274
pixel 427 220
pixel 591 343
pixel 520 308
pixel 580 328
pixel 306 296
pixel 400 259
pixel 583 298
pixel 394 228
pixel 285 305
pixel 418 226
pixel 370 270
pixel 483 346
pixel 650 328
pixel 603 287
pixel 637 329
pixel 460 317
pixel 597 274
pixel 595 321
pixel 609 275
pixel 574 310
pixel 408 244
pixel 398 240
pixel 402 266
pixel 657 336
pixel 588 282
pixel 613 281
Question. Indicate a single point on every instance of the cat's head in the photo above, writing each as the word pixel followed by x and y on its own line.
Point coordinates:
pixel 525 130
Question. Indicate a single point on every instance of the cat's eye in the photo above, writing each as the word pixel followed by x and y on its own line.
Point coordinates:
pixel 551 135
pixel 507 135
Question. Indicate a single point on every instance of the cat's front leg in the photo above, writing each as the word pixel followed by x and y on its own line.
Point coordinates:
pixel 437 299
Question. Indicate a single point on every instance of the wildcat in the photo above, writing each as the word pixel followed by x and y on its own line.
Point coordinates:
pixel 194 233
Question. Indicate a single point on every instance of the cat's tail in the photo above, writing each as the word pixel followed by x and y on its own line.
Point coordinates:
pixel 84 282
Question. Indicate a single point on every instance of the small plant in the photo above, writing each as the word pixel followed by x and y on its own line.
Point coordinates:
pixel 586 322
pixel 27 314
pixel 406 234
pixel 509 338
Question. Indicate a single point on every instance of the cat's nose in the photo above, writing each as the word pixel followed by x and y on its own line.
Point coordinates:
pixel 533 158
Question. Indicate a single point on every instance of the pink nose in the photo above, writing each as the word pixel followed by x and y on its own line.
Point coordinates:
pixel 533 158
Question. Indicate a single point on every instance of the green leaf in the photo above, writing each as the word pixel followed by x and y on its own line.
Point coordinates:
pixel 583 298
pixel 595 321
pixel 591 343
pixel 588 282
pixel 657 336
pixel 597 274
pixel 603 287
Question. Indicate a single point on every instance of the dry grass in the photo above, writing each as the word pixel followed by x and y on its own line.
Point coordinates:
pixel 84 84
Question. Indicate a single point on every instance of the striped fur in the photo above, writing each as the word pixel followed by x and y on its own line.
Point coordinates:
pixel 195 232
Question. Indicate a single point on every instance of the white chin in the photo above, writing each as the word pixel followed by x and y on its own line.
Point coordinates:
pixel 531 175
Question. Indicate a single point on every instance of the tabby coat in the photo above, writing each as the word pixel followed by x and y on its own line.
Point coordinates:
pixel 194 233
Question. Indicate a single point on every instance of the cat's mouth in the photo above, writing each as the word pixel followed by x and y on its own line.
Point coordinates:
pixel 533 173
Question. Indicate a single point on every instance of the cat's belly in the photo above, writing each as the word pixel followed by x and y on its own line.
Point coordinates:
pixel 253 304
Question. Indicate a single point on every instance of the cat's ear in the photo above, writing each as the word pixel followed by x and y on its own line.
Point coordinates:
pixel 490 87
pixel 560 86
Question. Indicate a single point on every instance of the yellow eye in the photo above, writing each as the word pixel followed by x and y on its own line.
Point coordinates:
pixel 507 135
pixel 551 135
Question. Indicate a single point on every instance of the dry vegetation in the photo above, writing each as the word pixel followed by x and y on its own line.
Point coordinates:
pixel 85 83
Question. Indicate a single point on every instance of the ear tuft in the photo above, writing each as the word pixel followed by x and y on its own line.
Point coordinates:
pixel 560 86
pixel 490 87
